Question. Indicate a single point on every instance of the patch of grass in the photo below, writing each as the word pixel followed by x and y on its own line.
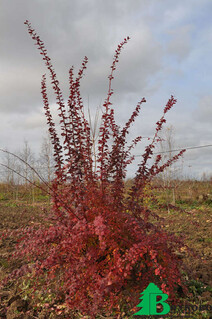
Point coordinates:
pixel 4 263
pixel 3 196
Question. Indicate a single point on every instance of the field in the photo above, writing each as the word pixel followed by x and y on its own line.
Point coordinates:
pixel 189 217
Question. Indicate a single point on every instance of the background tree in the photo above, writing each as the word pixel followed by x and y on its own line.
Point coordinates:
pixel 46 159
pixel 28 175
pixel 28 158
pixel 11 180
pixel 171 175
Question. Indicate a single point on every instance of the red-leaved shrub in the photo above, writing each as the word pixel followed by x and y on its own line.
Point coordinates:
pixel 101 250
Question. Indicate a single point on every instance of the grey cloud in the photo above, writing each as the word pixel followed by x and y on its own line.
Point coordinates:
pixel 180 43
pixel 20 88
pixel 203 113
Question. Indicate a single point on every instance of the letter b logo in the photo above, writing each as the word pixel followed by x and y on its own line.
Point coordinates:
pixel 153 304
pixel 149 301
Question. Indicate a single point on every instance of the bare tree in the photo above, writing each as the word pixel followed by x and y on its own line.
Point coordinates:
pixel 28 158
pixel 46 159
pixel 12 180
pixel 171 175
pixel 28 174
pixel 8 174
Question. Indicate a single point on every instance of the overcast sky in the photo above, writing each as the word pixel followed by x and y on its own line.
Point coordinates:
pixel 169 52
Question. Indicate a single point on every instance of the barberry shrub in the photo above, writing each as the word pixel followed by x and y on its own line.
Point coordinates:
pixel 102 247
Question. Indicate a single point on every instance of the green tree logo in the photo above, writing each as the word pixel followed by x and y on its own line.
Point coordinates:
pixel 149 301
